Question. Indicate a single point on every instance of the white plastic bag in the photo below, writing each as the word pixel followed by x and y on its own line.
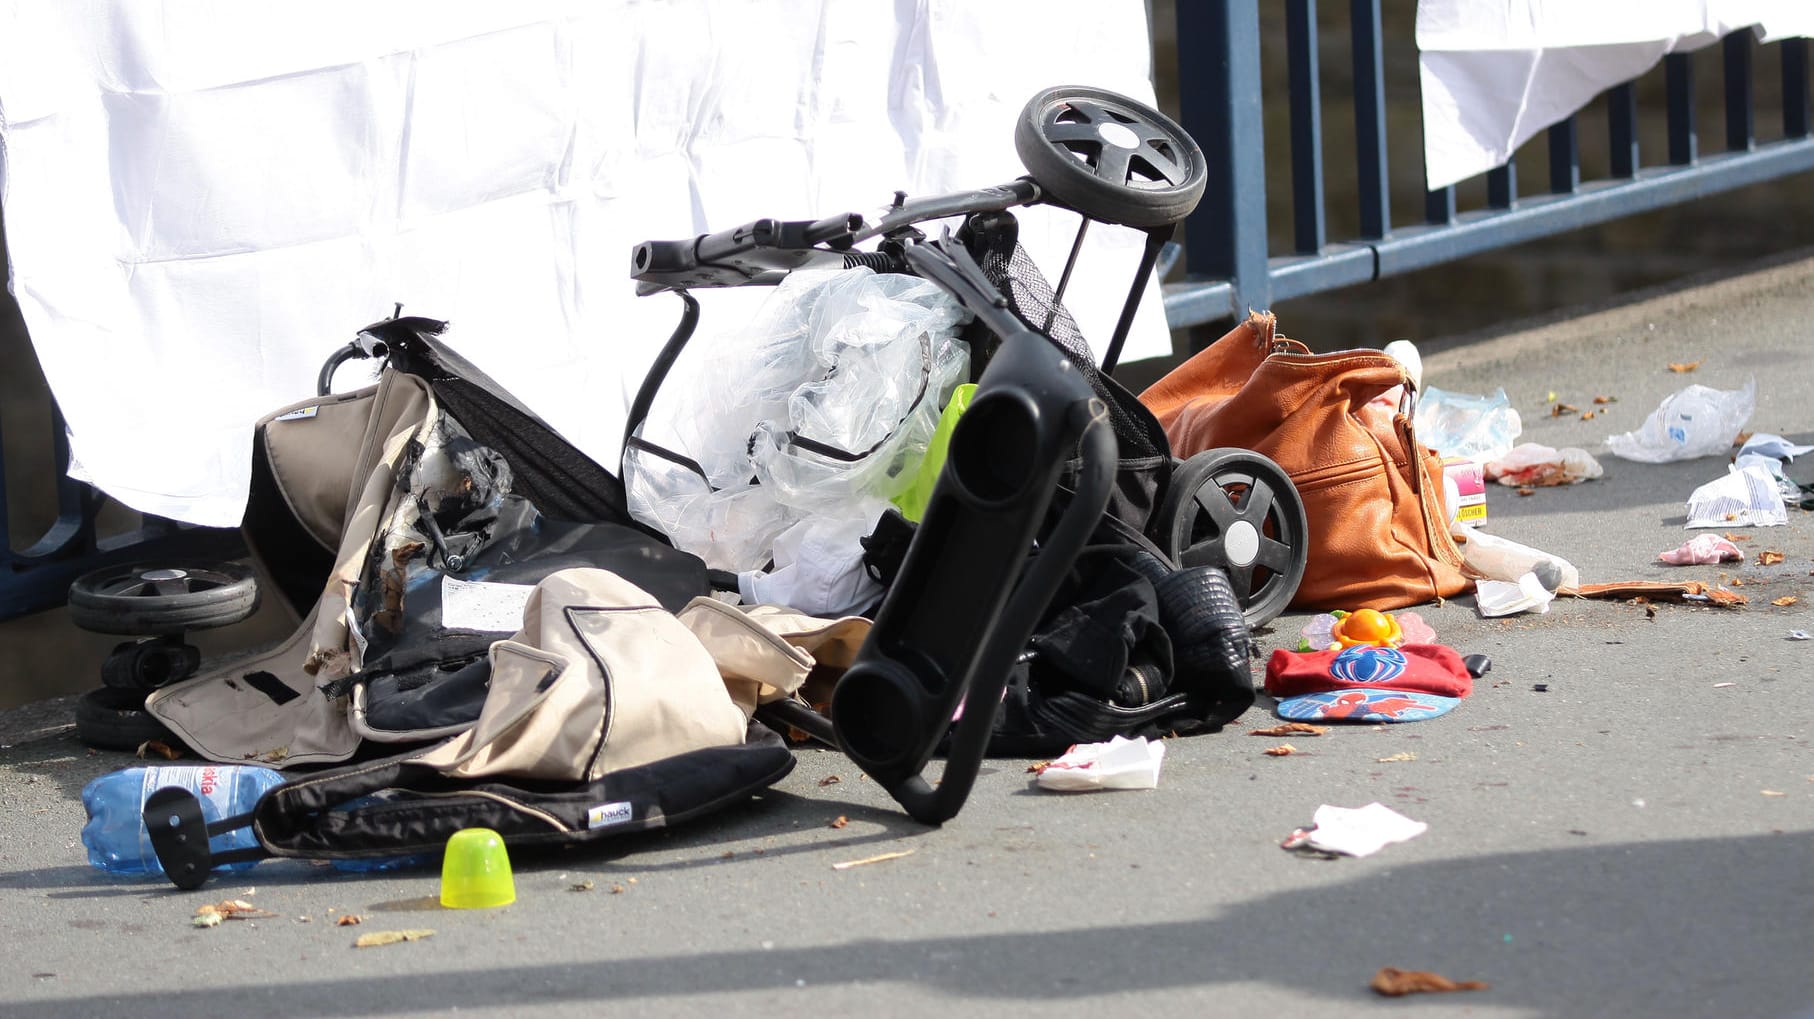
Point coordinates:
pixel 1696 421
pixel 822 407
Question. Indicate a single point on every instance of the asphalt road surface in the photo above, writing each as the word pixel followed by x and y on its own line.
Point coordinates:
pixel 1621 817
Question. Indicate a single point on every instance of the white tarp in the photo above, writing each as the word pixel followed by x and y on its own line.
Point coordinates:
pixel 1495 74
pixel 204 198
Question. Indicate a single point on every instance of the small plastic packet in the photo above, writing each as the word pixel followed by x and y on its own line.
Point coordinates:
pixel 1465 425
pixel 1693 422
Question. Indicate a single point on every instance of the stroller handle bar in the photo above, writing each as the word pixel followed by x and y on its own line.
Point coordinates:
pixel 762 252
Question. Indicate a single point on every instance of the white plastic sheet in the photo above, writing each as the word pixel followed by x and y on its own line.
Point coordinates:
pixel 1495 74
pixel 203 199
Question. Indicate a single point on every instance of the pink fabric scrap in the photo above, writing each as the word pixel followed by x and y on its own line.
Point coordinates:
pixel 1701 550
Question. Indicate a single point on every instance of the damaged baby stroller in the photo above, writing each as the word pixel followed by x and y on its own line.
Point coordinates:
pixel 442 483
pixel 1051 455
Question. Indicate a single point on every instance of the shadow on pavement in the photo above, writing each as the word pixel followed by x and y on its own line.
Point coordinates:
pixel 1555 933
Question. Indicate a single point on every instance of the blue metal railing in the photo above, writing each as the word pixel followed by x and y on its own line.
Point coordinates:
pixel 1229 266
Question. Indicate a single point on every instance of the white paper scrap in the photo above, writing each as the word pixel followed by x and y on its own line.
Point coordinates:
pixel 1363 831
pixel 1745 497
pixel 487 607
pixel 1118 764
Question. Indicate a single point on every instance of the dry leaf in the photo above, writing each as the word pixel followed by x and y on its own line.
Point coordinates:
pixel 349 920
pixel 1292 729
pixel 829 780
pixel 1282 750
pixel 1403 755
pixel 1683 367
pixel 1729 536
pixel 840 822
pixel 232 909
pixel 376 938
pixel 1606 399
pixel 617 889
pixel 1588 415
pixel 847 864
pixel 1563 408
pixel 1741 438
pixel 582 886
pixel 1038 766
pixel 1393 982
pixel 1526 490
pixel 158 748
pixel 1769 557
pixel 1787 599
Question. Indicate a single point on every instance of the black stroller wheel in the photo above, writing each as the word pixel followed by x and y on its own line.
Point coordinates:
pixel 162 598
pixel 1237 510
pixel 1109 157
pixel 113 719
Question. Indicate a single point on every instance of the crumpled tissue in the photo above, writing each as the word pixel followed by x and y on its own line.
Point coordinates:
pixel 1120 763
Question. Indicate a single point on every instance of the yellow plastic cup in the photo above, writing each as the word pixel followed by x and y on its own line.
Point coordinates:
pixel 475 871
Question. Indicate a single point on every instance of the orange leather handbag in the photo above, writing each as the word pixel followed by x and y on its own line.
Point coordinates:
pixel 1378 533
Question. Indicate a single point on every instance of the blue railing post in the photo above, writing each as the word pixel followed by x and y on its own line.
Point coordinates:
pixel 1370 120
pixel 1307 229
pixel 1219 99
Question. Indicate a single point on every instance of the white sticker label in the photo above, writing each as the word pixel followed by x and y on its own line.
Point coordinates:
pixel 297 414
pixel 475 605
pixel 608 814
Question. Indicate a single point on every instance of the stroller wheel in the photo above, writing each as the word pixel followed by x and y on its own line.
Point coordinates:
pixel 162 598
pixel 1236 509
pixel 1109 157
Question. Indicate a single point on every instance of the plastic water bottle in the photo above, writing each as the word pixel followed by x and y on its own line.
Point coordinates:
pixel 115 834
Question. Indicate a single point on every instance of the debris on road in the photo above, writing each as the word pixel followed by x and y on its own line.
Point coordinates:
pixel 1120 763
pixel 1394 982
pixel 1701 550
pixel 867 860
pixel 379 938
pixel 1352 831
pixel 1292 729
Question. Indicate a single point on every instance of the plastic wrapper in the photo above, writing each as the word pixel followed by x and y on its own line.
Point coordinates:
pixel 1465 425
pixel 1694 422
pixel 1745 497
pixel 823 406
pixel 1534 464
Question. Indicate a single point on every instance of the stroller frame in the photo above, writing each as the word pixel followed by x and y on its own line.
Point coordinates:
pixel 1045 420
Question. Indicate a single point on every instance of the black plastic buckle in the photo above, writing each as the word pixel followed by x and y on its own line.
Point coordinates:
pixel 180 833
